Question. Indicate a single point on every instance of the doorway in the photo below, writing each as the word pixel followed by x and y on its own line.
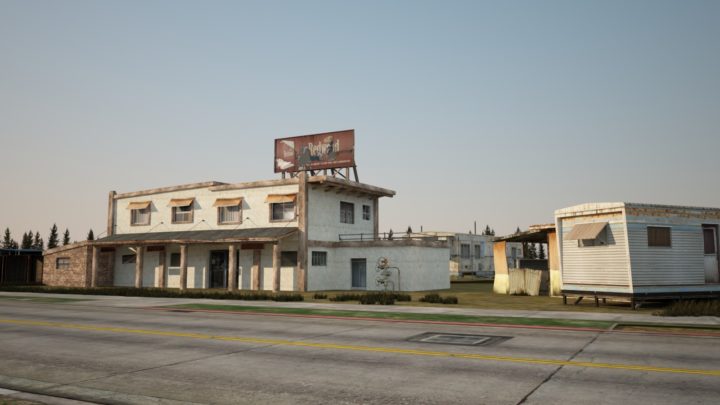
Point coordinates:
pixel 359 273
pixel 710 247
pixel 218 268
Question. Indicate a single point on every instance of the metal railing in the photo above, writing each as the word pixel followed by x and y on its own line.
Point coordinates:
pixel 388 236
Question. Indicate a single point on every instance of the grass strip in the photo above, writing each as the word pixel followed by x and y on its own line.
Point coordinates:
pixel 504 320
pixel 45 300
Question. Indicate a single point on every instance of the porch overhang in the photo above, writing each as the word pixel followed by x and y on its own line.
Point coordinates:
pixel 257 235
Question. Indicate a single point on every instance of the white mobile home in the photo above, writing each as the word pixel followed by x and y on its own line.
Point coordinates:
pixel 638 250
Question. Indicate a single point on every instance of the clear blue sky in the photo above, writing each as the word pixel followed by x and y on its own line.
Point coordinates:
pixel 498 112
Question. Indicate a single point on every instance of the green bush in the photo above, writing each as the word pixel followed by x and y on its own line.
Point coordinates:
pixel 692 308
pixel 160 292
pixel 437 299
pixel 345 297
pixel 320 296
pixel 370 298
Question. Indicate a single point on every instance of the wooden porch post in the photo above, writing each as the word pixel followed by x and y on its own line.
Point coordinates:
pixel 94 267
pixel 232 268
pixel 276 266
pixel 161 281
pixel 183 267
pixel 138 266
pixel 255 272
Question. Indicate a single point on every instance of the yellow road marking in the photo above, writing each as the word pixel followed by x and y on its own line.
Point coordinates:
pixel 392 350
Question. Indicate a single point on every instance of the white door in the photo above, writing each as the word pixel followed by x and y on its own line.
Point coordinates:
pixel 711 254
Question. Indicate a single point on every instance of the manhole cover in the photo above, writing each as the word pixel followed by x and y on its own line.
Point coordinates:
pixel 457 339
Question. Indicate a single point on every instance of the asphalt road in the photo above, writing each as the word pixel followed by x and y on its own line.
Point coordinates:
pixel 131 355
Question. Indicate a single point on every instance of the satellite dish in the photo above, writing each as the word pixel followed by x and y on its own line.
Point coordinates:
pixel 383 263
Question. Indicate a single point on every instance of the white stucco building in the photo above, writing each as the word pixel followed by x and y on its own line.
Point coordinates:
pixel 474 254
pixel 304 233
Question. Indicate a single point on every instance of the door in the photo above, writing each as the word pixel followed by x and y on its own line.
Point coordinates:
pixel 218 268
pixel 359 273
pixel 710 244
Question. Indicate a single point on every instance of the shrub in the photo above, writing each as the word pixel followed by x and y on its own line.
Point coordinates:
pixel 370 298
pixel 320 296
pixel 691 308
pixel 160 292
pixel 437 299
pixel 345 297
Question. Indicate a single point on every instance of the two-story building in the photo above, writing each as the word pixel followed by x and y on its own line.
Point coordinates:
pixel 281 235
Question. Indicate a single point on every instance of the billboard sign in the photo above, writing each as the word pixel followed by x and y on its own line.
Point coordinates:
pixel 329 150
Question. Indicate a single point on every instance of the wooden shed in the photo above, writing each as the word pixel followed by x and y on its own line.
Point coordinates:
pixel 638 251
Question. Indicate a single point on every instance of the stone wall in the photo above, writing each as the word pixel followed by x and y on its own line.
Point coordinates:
pixel 77 274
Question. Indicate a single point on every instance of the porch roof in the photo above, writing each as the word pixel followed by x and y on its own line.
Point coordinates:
pixel 208 236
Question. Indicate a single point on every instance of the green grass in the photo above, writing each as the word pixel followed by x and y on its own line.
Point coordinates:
pixel 404 316
pixel 45 300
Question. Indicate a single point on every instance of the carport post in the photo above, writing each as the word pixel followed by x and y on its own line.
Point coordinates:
pixel 183 267
pixel 276 266
pixel 94 267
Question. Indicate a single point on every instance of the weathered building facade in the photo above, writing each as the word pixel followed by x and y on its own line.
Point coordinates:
pixel 281 235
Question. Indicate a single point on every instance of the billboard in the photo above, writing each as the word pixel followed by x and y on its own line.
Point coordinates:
pixel 329 150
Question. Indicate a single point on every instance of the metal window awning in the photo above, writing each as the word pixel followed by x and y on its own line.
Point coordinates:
pixel 228 202
pixel 181 202
pixel 281 198
pixel 586 231
pixel 138 205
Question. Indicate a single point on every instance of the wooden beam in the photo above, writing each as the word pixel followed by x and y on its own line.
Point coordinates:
pixel 276 266
pixel 139 266
pixel 255 270
pixel 183 267
pixel 232 268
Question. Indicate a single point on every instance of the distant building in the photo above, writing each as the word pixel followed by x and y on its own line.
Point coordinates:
pixel 639 250
pixel 473 254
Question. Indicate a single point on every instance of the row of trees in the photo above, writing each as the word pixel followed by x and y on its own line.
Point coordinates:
pixel 32 240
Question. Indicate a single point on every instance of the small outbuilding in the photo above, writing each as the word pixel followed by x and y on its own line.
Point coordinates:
pixel 638 251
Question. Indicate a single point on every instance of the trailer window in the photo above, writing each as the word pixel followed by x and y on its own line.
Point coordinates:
pixel 659 236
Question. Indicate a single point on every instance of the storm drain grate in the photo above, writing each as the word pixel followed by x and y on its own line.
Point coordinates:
pixel 457 339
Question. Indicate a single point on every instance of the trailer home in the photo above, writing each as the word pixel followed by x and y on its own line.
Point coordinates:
pixel 638 250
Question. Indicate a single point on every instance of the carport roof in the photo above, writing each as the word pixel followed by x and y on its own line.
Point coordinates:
pixel 207 236
pixel 536 234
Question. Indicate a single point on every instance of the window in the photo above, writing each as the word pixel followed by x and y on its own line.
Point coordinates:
pixel 140 216
pixel 600 240
pixel 659 236
pixel 282 211
pixel 319 258
pixel 174 259
pixel 366 212
pixel 288 259
pixel 347 212
pixel 465 251
pixel 128 259
pixel 62 263
pixel 182 215
pixel 478 251
pixel 710 245
pixel 230 215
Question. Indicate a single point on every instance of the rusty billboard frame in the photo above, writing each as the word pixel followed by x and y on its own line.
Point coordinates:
pixel 326 150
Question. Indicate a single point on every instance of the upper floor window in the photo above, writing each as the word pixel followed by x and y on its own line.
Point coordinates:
pixel 62 263
pixel 229 210
pixel 139 213
pixel 366 212
pixel 182 210
pixel 659 236
pixel 465 251
pixel 282 207
pixel 347 212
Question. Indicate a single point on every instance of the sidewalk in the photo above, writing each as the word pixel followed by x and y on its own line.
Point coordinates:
pixel 144 302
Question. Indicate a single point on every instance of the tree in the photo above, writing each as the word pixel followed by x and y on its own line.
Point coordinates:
pixel 53 238
pixel 532 251
pixel 91 235
pixel 492 232
pixel 409 231
pixel 487 230
pixel 390 235
pixel 66 237
pixel 8 242
pixel 541 251
pixel 27 241
pixel 38 242
pixel 517 230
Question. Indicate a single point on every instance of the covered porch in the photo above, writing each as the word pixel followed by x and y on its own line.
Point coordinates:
pixel 254 259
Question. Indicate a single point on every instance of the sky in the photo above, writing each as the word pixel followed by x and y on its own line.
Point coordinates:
pixel 496 112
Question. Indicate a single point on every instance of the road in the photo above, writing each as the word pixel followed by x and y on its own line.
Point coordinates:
pixel 115 354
